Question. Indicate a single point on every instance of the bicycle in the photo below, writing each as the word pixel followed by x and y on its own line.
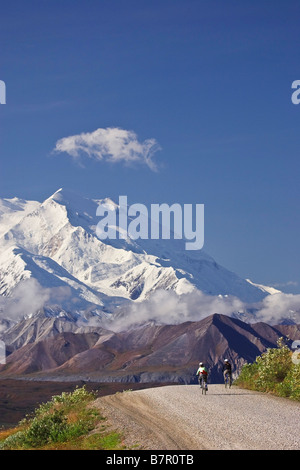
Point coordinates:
pixel 227 380
pixel 203 384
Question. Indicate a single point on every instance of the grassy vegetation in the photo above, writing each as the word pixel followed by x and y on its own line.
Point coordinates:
pixel 66 422
pixel 273 372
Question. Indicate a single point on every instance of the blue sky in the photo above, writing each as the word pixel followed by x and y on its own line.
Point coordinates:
pixel 210 82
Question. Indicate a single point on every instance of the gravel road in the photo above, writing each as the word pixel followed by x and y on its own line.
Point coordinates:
pixel 179 417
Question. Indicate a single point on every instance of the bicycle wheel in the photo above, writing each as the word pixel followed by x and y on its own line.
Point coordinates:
pixel 226 380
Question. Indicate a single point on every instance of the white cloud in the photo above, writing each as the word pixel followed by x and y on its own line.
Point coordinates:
pixel 274 308
pixel 28 297
pixel 286 284
pixel 167 307
pixel 164 307
pixel 112 144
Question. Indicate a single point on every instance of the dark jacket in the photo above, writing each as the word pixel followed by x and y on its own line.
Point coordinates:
pixel 226 366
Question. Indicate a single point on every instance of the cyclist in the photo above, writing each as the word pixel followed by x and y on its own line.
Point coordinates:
pixel 202 374
pixel 227 371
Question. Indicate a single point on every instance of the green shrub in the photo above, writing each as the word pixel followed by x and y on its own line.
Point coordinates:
pixel 63 418
pixel 273 371
pixel 49 428
pixel 14 441
pixel 67 401
pixel 293 379
pixel 248 375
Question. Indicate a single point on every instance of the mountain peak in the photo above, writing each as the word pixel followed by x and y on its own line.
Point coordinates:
pixel 66 196
pixel 63 251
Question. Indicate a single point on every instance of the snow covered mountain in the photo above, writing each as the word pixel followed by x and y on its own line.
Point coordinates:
pixel 55 243
pixel 13 210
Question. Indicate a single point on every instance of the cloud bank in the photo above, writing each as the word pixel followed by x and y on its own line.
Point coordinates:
pixel 163 307
pixel 29 296
pixel 167 307
pixel 112 144
pixel 274 308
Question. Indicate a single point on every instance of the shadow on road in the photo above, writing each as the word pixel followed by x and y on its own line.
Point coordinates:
pixel 230 393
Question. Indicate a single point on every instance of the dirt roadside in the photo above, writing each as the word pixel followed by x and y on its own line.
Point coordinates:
pixel 142 426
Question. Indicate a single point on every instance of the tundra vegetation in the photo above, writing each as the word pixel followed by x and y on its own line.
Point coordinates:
pixel 274 372
pixel 68 421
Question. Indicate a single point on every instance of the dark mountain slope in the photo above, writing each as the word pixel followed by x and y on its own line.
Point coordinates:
pixel 147 353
